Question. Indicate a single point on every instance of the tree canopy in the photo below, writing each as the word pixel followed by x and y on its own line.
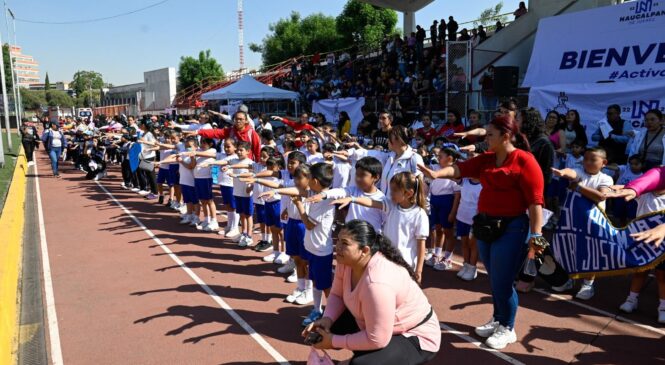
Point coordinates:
pixel 365 25
pixel 490 16
pixel 86 80
pixel 192 70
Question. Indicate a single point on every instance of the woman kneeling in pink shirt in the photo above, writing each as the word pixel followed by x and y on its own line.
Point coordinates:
pixel 375 308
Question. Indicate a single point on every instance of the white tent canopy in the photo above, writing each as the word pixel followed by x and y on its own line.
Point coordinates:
pixel 247 88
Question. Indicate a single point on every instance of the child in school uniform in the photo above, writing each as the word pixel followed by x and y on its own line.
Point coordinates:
pixel 203 184
pixel 264 243
pixel 592 183
pixel 646 204
pixel 164 175
pixel 225 183
pixel 444 201
pixel 242 193
pixel 189 197
pixel 468 208
pixel 313 155
pixel 272 216
pixel 341 167
pixel 406 223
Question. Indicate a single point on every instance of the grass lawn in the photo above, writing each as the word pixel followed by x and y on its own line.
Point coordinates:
pixel 7 171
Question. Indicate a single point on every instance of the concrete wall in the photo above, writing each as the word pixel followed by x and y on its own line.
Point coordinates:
pixel 160 89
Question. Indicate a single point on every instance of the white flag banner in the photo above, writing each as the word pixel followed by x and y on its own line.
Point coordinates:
pixel 621 42
pixel 331 108
pixel 591 100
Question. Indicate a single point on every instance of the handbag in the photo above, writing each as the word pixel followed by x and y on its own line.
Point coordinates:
pixel 315 358
pixel 146 165
pixel 489 229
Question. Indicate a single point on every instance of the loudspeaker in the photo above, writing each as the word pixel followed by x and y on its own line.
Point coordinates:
pixel 506 79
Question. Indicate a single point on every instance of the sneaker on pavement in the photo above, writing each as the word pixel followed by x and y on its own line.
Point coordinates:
pixel 202 225
pixel 586 292
pixel 187 219
pixel 287 268
pixel 629 305
pixel 143 192
pixel 443 265
pixel 470 274
pixel 136 190
pixel 182 208
pixel 305 298
pixel 211 226
pixel 430 261
pixel 244 241
pixel 151 196
pixel 122 185
pixel 462 271
pixel 567 286
pixel 428 255
pixel 269 258
pixel 501 337
pixel 194 221
pixel 234 235
pixel 292 297
pixel 313 316
pixel 487 329
pixel 263 246
pixel 281 259
pixel 293 278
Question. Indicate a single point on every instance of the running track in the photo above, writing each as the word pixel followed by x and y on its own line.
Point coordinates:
pixel 132 286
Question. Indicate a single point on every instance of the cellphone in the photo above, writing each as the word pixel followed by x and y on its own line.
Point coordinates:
pixel 313 338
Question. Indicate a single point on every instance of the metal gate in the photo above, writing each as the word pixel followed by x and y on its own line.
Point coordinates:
pixel 458 76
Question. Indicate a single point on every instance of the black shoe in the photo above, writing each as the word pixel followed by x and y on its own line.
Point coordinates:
pixel 168 203
pixel 263 246
pixel 160 200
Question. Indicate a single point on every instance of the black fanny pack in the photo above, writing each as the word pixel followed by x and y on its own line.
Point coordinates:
pixel 427 318
pixel 489 229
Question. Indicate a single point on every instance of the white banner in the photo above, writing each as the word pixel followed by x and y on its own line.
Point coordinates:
pixel 591 100
pixel 331 108
pixel 231 108
pixel 621 43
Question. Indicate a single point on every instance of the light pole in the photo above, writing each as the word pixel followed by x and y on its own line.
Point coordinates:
pixel 4 100
pixel 14 75
pixel 19 110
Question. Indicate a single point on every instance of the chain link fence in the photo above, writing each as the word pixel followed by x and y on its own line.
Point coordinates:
pixel 458 75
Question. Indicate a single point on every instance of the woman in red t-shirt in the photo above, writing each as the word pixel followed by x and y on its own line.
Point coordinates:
pixel 512 183
pixel 453 125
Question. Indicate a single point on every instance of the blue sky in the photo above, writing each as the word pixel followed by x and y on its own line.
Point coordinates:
pixel 123 48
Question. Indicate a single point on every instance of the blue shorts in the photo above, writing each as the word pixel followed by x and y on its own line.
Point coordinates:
pixel 162 176
pixel 189 194
pixel 463 229
pixel 174 175
pixel 320 270
pixel 203 188
pixel 260 211
pixel 440 208
pixel 244 205
pixel 273 210
pixel 294 236
pixel 227 196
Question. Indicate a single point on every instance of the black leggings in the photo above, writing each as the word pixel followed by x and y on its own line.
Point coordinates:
pixel 29 147
pixel 399 351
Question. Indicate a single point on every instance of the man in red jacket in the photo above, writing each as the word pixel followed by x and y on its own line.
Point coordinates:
pixel 240 131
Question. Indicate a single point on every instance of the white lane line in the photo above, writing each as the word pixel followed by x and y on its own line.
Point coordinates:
pixel 588 307
pixel 51 316
pixel 258 338
pixel 480 345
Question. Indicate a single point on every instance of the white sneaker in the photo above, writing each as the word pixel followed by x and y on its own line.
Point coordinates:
pixel 501 337
pixel 211 227
pixel 186 219
pixel 629 305
pixel 143 192
pixel 432 260
pixel 487 329
pixel 269 258
pixel 443 265
pixel 136 190
pixel 202 225
pixel 661 315
pixel 282 259
pixel 305 298
pixel 293 278
pixel 470 274
pixel 123 186
pixel 287 268
pixel 233 235
pixel 462 271
pixel 292 297
pixel 428 255
pixel 194 221
pixel 182 208
pixel 244 241
pixel 586 292
pixel 567 286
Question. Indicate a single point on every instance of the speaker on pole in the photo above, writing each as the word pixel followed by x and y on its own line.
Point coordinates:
pixel 506 79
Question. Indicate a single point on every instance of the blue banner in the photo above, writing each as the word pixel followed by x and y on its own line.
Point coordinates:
pixel 134 153
pixel 587 244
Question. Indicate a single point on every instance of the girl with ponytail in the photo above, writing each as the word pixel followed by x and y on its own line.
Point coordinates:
pixel 512 183
pixel 375 308
pixel 406 222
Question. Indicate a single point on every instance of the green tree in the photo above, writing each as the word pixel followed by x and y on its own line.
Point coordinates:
pixel 8 68
pixel 61 99
pixel 86 80
pixel 365 25
pixel 88 98
pixel 295 36
pixel 490 16
pixel 33 99
pixel 47 87
pixel 194 70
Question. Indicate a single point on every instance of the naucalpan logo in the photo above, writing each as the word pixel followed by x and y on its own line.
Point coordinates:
pixel 643 10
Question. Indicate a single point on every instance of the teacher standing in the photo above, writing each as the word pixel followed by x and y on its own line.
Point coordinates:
pixel 512 183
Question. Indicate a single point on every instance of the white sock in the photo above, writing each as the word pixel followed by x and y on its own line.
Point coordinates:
pixel 318 299
pixel 633 295
pixel 437 251
pixel 269 237
pixel 301 284
pixel 308 285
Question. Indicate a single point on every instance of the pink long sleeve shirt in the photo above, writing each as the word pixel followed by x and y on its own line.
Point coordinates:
pixel 654 179
pixel 385 302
